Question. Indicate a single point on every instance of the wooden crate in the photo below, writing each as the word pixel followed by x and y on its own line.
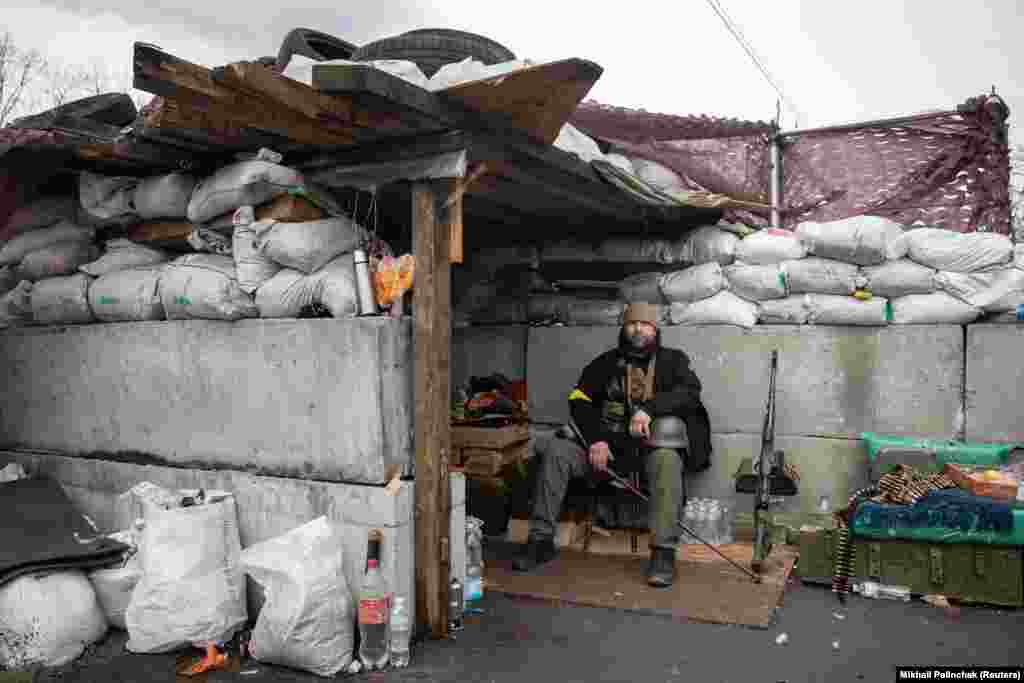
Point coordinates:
pixel 477 462
pixel 970 478
pixel 488 438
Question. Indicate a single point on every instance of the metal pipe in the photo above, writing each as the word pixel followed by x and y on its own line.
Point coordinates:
pixel 776 181
pixel 867 124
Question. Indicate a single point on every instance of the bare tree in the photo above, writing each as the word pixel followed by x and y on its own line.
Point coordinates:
pixel 19 69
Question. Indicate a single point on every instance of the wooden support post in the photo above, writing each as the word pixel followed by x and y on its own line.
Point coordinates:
pixel 432 225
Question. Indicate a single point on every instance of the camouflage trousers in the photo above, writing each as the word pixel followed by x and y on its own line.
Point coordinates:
pixel 561 460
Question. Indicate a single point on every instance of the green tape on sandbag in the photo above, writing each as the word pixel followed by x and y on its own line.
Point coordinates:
pixel 956 452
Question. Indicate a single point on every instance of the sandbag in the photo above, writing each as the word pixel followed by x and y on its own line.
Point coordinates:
pixel 62 258
pixel 210 242
pixel 308 246
pixel 659 175
pixel 307 620
pixel 755 283
pixel 42 213
pixel 594 312
pixel 62 300
pixel 114 585
pixel 22 245
pixel 252 268
pixel 644 287
pixel 693 284
pixel 958 252
pixel 900 278
pixel 204 286
pixel 107 201
pixel 48 620
pixel 132 294
pixel 569 250
pixel 121 254
pixel 724 308
pixel 710 244
pixel 861 240
pixel 936 308
pixel 289 208
pixel 504 310
pixel 621 162
pixel 8 279
pixel 246 183
pixel 289 291
pixel 192 588
pixel 791 310
pixel 1018 256
pixel 164 196
pixel 493 259
pixel 635 250
pixel 16 306
pixel 830 309
pixel 997 290
pixel 770 246
pixel 336 287
pixel 814 275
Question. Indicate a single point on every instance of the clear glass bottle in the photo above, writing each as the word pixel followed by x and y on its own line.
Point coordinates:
pixel 879 591
pixel 374 609
pixel 400 632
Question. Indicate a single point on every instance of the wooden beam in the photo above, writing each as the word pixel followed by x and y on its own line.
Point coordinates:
pixel 432 334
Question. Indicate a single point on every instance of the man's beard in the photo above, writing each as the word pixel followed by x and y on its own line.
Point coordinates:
pixel 640 342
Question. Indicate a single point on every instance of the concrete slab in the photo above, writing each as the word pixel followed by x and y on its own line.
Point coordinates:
pixel 995 376
pixel 319 398
pixel 481 351
pixel 832 381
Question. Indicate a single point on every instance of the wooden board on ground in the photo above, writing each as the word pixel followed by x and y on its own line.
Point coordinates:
pixel 707 588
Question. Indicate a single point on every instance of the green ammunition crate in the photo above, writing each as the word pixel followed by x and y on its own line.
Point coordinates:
pixel 817 555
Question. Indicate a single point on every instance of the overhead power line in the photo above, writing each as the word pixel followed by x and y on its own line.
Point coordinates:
pixel 731 26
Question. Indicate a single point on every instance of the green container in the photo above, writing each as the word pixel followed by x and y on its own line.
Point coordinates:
pixel 817 555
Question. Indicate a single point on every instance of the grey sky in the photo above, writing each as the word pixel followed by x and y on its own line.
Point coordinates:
pixel 836 61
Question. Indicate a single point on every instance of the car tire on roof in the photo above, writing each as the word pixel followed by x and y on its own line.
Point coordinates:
pixel 432 48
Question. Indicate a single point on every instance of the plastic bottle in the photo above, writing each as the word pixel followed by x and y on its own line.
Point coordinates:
pixel 474 590
pixel 455 604
pixel 401 632
pixel 878 591
pixel 1020 312
pixel 374 609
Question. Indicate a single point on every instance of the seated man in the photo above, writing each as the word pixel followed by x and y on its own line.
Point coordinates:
pixel 612 406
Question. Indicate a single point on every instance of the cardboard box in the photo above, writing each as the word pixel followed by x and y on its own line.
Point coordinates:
pixel 570 534
pixel 973 479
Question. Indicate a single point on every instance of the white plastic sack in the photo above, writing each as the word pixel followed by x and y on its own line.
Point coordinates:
pixel 770 246
pixel 470 69
pixel 132 294
pixel 571 139
pixel 621 162
pixel 192 588
pixel 594 312
pixel 8 279
pixel 862 240
pixel 900 278
pixel 62 258
pixel 62 300
pixel 16 306
pixel 815 275
pixel 336 287
pixel 710 243
pixel 252 268
pixel 48 620
pixel 289 291
pixel 658 175
pixel 308 246
pixel 121 254
pixel 645 287
pixel 958 252
pixel 1018 256
pixel 42 213
pixel 204 286
pixel 307 621
pixel 22 245
pixel 755 283
pixel 164 196
pixel 568 250
pixel 210 242
pixel 107 200
pixel 792 310
pixel 246 183
pixel 994 291
pixel 830 309
pixel 724 308
pixel 114 585
pixel 937 308
pixel 635 250
pixel 693 284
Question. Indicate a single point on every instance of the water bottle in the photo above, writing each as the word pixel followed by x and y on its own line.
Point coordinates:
pixel 1020 312
pixel 688 520
pixel 401 632
pixel 715 523
pixel 878 591
pixel 455 604
pixel 474 590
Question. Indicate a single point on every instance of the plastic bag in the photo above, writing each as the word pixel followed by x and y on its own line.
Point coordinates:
pixel 107 201
pixel 830 309
pixel 246 183
pixel 900 278
pixel 770 246
pixel 724 308
pixel 958 252
pixel 710 244
pixel 122 254
pixel 311 245
pixel 792 310
pixel 164 196
pixel 307 621
pixel 22 245
pixel 204 286
pixel 62 258
pixel 16 306
pixel 755 283
pixel 42 213
pixel 132 294
pixel 644 287
pixel 252 268
pixel 820 276
pixel 571 139
pixel 48 620
pixel 62 300
pixel 693 284
pixel 114 585
pixel 861 240
pixel 393 278
pixel 937 308
pixel 192 588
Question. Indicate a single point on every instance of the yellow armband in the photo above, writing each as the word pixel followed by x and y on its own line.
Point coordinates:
pixel 578 395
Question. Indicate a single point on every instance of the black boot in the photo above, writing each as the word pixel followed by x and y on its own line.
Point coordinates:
pixel 662 570
pixel 536 553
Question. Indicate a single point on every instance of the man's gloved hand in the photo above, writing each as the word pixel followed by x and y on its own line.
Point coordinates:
pixel 640 425
pixel 600 454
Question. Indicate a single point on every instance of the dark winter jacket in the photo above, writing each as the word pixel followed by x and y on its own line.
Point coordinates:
pixel 676 392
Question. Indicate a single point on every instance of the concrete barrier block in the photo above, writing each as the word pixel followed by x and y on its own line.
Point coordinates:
pixel 995 376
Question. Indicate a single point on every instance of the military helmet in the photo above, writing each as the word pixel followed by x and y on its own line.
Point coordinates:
pixel 668 431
